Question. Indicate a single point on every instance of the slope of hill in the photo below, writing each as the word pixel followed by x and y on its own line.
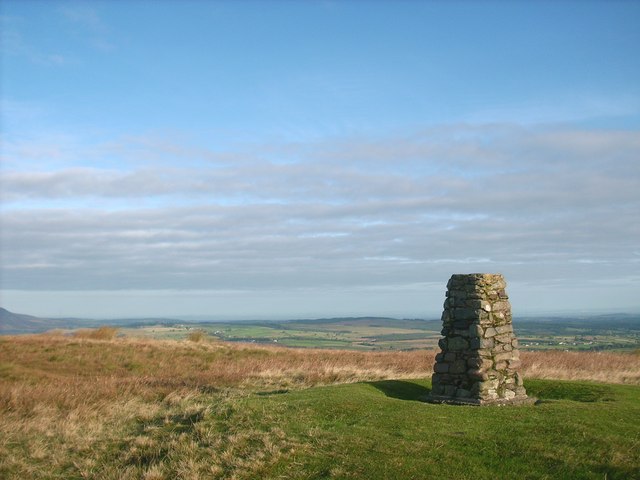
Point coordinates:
pixel 19 323
pixel 13 323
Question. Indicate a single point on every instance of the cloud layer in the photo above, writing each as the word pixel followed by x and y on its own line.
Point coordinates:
pixel 348 213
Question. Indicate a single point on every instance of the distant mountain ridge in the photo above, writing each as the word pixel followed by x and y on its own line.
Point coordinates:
pixel 20 323
pixel 17 323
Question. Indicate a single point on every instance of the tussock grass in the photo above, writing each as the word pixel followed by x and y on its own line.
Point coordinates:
pixel 104 407
pixel 197 335
pixel 623 368
pixel 100 333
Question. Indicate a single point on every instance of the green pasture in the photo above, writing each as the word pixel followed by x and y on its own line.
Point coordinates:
pixel 382 430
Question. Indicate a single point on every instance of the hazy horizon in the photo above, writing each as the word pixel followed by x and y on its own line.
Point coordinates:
pixel 312 159
pixel 241 317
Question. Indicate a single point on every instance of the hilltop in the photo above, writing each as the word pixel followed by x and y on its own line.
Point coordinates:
pixel 75 407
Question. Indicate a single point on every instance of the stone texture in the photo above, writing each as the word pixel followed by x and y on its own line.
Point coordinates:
pixel 479 359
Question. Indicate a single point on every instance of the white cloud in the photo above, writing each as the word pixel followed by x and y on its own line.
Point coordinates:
pixel 345 215
pixel 568 108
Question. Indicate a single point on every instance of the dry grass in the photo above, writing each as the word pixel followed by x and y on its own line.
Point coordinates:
pixel 65 401
pixel 196 336
pixel 66 371
pixel 623 368
pixel 100 333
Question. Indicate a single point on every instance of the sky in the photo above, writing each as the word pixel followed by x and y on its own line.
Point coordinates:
pixel 281 159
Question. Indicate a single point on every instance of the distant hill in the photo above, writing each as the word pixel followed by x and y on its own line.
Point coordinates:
pixel 19 323
pixel 11 323
pixel 614 324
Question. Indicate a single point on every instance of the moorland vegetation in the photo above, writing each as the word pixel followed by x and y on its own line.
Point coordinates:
pixel 94 405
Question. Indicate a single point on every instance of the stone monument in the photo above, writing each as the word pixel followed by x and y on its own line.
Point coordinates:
pixel 479 361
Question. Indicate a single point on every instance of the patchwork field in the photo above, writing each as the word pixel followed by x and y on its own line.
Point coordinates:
pixel 355 334
pixel 98 406
pixel 614 333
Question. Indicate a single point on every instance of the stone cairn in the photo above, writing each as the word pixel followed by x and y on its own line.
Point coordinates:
pixel 479 359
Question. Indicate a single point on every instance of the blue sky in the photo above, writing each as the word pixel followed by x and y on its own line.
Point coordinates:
pixel 284 159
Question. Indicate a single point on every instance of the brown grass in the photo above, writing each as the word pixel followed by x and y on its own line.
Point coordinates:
pixel 604 367
pixel 70 373
pixel 100 333
pixel 83 368
pixel 197 336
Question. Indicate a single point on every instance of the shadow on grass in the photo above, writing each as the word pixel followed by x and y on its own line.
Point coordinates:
pixel 402 389
pixel 548 390
pixel 272 392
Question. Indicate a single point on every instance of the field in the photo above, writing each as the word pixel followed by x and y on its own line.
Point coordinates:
pixel 98 406
pixel 344 333
pixel 610 332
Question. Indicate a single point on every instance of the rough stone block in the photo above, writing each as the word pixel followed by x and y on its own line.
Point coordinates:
pixel 481 343
pixel 501 365
pixel 457 344
pixel 490 332
pixel 504 329
pixel 504 338
pixel 473 362
pixel 477 374
pixel 441 367
pixel 463 332
pixel 503 356
pixel 518 378
pixel 476 331
pixel 450 357
pixel 465 314
pixel 462 393
pixel 459 366
pixel 460 324
pixel 501 306
pixel 450 390
pixel 509 394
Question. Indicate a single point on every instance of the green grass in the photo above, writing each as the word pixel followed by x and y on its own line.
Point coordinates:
pixel 382 430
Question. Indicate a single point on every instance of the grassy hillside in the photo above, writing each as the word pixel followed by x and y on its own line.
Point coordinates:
pixel 122 408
